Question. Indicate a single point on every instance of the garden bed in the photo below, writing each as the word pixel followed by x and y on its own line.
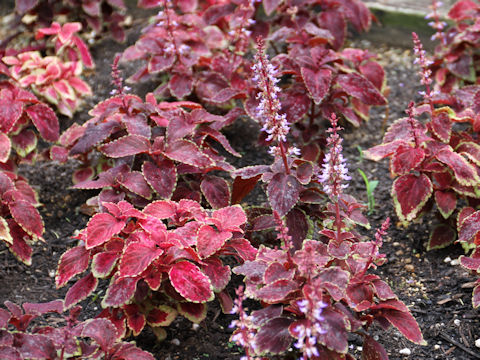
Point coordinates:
pixel 435 288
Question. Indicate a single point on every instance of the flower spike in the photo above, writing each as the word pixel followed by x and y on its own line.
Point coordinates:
pixel 274 123
pixel 334 171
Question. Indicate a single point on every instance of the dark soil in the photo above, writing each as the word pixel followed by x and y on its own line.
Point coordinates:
pixel 437 292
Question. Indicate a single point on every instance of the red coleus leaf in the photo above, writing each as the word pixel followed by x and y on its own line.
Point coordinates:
pixel 34 346
pixel 402 320
pixel 126 146
pixel 372 350
pixel 161 178
pixel 119 292
pixel 476 296
pixel 74 261
pixel 136 258
pixel 25 142
pixel 359 87
pixel 374 72
pixel 103 263
pixel 410 193
pixel 276 291
pixel 317 83
pixel 136 183
pixel 218 273
pixel 283 192
pixel 471 150
pixel 80 290
pixel 273 336
pixel 101 228
pixel 190 282
pixel 465 173
pixel 216 191
pixel 45 120
pixel 102 331
pixel 446 202
pixel 20 248
pixel 471 263
pixel 243 248
pixel 27 216
pixel 9 353
pixel 187 152
pixel 161 315
pixel 441 236
pixel 192 311
pixel 311 258
pixel 276 271
pixel 406 158
pixel 180 85
pixel 210 241
pixel 442 126
pixel 135 319
pixel 469 228
pixel 295 104
pixel 298 227
pixel 5 147
pixel 242 187
pixel 229 218
pixel 10 112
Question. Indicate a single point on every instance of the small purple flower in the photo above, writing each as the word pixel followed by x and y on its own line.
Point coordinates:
pixel 334 169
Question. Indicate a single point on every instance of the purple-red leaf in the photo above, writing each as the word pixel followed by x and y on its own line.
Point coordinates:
pixel 161 178
pixel 210 240
pixel 27 216
pixel 190 282
pixel 372 350
pixel 126 146
pixel 283 192
pixel 216 191
pixel 45 120
pixel 101 228
pixel 359 87
pixel 273 336
pixel 74 261
pixel 136 258
pixel 317 83
pixel 80 290
pixel 410 193
pixel 187 152
pixel 102 331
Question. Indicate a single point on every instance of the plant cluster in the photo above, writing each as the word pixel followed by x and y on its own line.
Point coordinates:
pixel 436 161
pixel 315 296
pixel 22 340
pixel 166 226
pixel 98 15
pixel 55 78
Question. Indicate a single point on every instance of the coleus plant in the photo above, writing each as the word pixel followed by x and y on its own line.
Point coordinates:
pixel 99 15
pixel 179 46
pixel 469 237
pixel 290 180
pixel 22 340
pixel 313 297
pixel 432 163
pixel 163 261
pixel 21 113
pixel 318 77
pixel 149 149
pixel 455 62
pixel 55 78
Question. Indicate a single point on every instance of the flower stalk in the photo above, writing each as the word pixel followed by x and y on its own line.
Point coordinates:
pixel 334 173
pixel 274 123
